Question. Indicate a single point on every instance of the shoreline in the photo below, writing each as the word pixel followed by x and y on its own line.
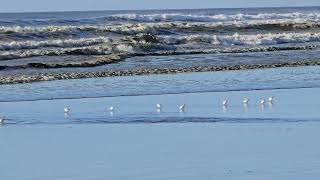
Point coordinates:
pixel 153 71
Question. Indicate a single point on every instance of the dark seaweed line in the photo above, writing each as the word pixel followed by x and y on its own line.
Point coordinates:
pixel 80 75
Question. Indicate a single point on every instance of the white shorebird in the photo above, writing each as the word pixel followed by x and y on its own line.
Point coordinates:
pixel 66 110
pixel 182 107
pixel 2 119
pixel 246 101
pixel 111 109
pixel 262 102
pixel 225 102
pixel 158 107
pixel 270 99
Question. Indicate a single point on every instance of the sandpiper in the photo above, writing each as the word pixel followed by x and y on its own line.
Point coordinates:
pixel 66 110
pixel 225 102
pixel 182 107
pixel 246 101
pixel 111 109
pixel 2 119
pixel 270 99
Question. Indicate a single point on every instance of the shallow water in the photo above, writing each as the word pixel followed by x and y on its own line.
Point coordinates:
pixel 134 98
pixel 260 79
pixel 163 151
pixel 290 105
pixel 274 141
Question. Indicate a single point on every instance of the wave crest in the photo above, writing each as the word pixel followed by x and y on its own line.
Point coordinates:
pixel 237 39
pixel 165 27
pixel 214 17
pixel 14 45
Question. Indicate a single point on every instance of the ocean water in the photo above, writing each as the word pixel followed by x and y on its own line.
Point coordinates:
pixel 207 140
pixel 136 141
pixel 245 80
pixel 235 35
pixel 163 151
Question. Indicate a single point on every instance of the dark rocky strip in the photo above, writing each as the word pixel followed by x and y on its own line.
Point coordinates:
pixel 61 76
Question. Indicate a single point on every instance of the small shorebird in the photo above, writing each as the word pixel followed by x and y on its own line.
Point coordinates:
pixel 158 107
pixel 270 99
pixel 111 109
pixel 262 102
pixel 225 102
pixel 246 101
pixel 2 119
pixel 66 110
pixel 182 107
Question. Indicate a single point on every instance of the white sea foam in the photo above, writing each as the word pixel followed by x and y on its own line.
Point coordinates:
pixel 124 48
pixel 98 46
pixel 31 29
pixel 13 45
pixel 215 17
pixel 153 27
pixel 238 39
pixel 90 50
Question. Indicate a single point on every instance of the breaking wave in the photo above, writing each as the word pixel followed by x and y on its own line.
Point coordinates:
pixel 256 39
pixel 235 39
pixel 141 50
pixel 14 45
pixel 89 50
pixel 205 16
pixel 160 27
pixel 214 17
pixel 160 32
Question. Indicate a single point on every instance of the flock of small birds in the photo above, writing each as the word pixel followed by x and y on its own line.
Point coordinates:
pixel 181 107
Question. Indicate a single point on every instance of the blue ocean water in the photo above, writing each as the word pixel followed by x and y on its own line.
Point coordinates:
pixel 135 98
pixel 136 141
pixel 73 37
pixel 221 37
